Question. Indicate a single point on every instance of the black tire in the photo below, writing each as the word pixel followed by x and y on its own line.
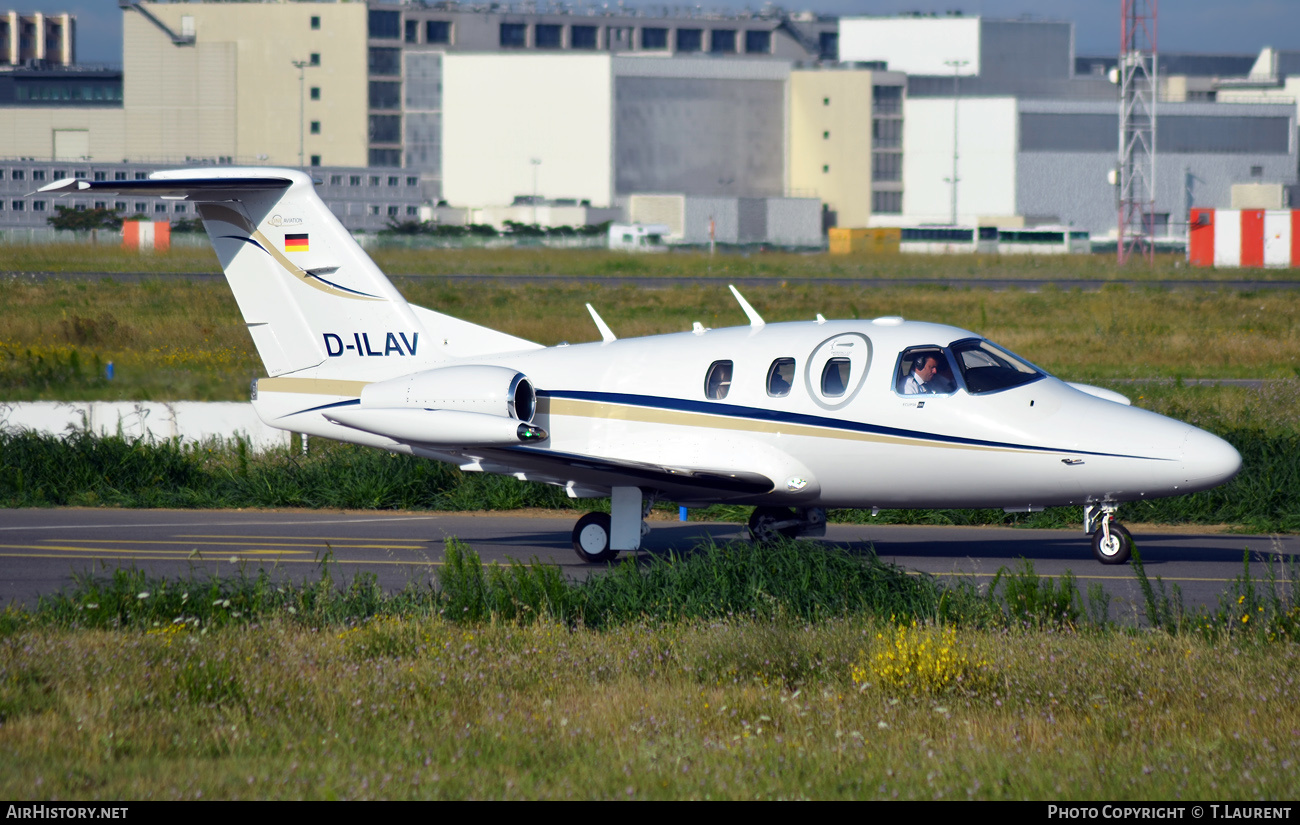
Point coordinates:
pixel 1115 551
pixel 763 521
pixel 591 539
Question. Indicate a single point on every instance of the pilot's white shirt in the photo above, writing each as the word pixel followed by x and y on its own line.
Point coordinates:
pixel 915 386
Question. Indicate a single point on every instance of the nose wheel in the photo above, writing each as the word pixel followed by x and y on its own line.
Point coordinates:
pixel 1111 542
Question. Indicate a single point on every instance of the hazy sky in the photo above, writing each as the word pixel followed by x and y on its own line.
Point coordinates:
pixel 1205 26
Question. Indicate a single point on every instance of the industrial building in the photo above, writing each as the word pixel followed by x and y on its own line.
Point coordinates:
pixel 908 120
pixel 39 37
pixel 1002 108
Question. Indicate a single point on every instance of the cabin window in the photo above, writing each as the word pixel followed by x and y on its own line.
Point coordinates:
pixel 835 377
pixel 986 367
pixel 717 382
pixel 780 377
pixel 924 371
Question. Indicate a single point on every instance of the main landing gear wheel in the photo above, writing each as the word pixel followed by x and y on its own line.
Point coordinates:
pixel 769 524
pixel 1113 546
pixel 591 538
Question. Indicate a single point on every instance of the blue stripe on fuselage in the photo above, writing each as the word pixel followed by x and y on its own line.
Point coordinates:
pixel 777 416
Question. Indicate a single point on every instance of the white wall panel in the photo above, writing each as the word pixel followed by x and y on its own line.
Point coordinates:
pixel 190 421
pixel 915 46
pixel 502 111
pixel 1277 238
pixel 1227 237
pixel 986 166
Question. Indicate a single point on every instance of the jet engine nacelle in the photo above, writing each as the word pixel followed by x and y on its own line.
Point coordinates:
pixel 489 390
pixel 441 428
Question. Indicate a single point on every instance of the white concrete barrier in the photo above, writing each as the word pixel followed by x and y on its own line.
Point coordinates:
pixel 190 421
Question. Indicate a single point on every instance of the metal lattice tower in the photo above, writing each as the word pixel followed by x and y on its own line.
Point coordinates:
pixel 1137 129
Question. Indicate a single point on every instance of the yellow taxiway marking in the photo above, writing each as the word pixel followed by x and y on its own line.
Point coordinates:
pixel 246 543
pixel 143 553
pixel 91 553
pixel 304 538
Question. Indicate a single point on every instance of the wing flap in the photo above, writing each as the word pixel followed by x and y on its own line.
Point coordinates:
pixel 655 475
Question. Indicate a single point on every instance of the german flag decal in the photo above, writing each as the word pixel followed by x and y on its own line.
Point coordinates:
pixel 295 243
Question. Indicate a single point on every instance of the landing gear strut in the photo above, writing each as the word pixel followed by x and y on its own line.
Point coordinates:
pixel 598 538
pixel 1111 543
pixel 767 524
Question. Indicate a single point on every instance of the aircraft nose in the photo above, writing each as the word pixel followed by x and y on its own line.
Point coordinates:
pixel 1208 460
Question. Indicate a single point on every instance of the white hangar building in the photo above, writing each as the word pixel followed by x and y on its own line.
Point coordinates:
pixel 601 127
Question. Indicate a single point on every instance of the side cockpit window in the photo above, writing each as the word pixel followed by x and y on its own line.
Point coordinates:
pixel 780 377
pixel 717 381
pixel 924 371
pixel 986 367
pixel 835 377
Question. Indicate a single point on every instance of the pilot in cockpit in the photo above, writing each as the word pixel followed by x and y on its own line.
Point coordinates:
pixel 927 377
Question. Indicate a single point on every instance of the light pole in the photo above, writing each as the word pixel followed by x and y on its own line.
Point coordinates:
pixel 535 162
pixel 956 96
pixel 301 66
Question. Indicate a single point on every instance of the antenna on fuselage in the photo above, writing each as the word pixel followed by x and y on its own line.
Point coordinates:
pixel 755 320
pixel 606 334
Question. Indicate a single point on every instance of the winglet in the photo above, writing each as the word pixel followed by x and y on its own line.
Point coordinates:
pixel 755 320
pixel 606 334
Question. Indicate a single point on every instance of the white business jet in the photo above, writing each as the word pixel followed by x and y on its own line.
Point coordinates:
pixel 792 418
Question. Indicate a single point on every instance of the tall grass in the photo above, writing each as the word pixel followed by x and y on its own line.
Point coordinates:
pixel 82 469
pixel 795 583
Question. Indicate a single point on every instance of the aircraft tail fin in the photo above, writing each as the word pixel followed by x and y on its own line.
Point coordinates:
pixel 311 297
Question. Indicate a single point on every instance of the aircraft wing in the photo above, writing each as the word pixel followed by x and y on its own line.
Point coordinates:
pixel 587 476
pixel 660 476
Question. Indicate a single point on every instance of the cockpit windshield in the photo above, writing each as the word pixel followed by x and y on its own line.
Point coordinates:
pixel 986 367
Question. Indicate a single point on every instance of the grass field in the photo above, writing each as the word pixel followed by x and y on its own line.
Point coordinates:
pixel 172 339
pixel 397 261
pixel 732 673
pixel 767 685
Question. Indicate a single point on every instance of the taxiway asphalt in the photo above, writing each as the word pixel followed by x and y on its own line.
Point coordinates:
pixel 43 550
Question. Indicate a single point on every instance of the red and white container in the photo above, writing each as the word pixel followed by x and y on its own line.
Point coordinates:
pixel 146 235
pixel 1244 237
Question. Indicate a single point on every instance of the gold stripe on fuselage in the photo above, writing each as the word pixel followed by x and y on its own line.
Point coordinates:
pixel 312 386
pixel 650 415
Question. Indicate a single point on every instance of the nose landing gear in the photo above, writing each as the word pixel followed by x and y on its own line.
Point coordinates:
pixel 1111 542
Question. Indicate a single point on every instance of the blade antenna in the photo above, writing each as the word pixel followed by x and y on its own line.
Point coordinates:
pixel 606 334
pixel 755 320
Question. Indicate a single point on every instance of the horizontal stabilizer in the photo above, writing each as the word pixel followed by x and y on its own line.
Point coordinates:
pixel 169 188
